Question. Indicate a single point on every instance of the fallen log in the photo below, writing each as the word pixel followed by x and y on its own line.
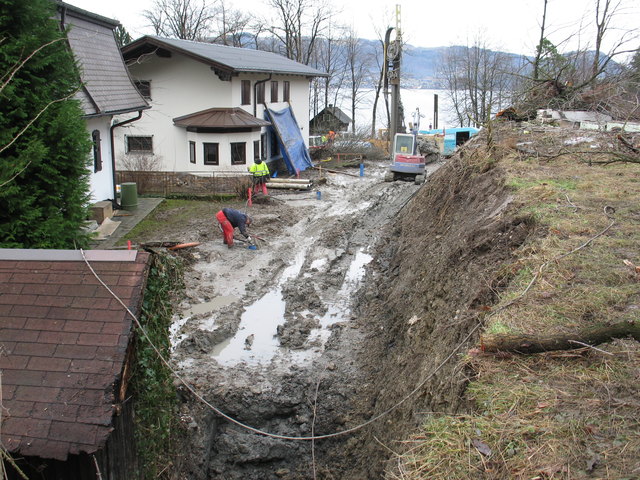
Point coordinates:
pixel 288 180
pixel 527 344
pixel 297 186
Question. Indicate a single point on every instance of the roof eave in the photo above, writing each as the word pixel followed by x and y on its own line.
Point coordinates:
pixel 167 46
pixel 116 112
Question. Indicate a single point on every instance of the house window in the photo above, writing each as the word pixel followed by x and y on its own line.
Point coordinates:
pixel 274 92
pixel 97 151
pixel 263 146
pixel 144 87
pixel 246 92
pixel 260 92
pixel 192 152
pixel 256 149
pixel 139 144
pixel 211 156
pixel 238 153
pixel 286 91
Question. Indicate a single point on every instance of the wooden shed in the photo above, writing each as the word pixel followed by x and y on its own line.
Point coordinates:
pixel 330 118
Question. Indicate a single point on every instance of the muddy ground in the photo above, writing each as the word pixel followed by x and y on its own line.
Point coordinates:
pixel 268 335
pixel 342 315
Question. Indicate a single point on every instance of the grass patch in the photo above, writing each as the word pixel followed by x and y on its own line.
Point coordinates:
pixel 562 415
pixel 543 417
pixel 177 215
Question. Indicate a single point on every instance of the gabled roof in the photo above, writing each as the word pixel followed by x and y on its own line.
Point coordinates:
pixel 226 118
pixel 108 89
pixel 336 112
pixel 230 60
pixel 63 338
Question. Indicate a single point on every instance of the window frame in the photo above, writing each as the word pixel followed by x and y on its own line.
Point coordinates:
pixel 140 139
pixel 245 92
pixel 97 151
pixel 260 92
pixel 286 91
pixel 192 152
pixel 256 149
pixel 274 91
pixel 214 146
pixel 238 153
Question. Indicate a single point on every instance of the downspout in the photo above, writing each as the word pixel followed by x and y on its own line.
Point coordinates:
pixel 113 152
pixel 255 91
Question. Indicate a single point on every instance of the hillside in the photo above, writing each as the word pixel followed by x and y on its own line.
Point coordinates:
pixel 525 238
pixel 354 343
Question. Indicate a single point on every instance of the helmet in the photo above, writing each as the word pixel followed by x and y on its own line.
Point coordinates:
pixel 258 161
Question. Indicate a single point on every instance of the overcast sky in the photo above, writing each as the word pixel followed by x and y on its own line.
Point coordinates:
pixel 509 25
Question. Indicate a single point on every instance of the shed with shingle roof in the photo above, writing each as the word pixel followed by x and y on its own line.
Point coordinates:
pixel 66 343
pixel 330 118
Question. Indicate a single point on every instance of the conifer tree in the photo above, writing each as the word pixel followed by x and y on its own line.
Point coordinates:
pixel 44 143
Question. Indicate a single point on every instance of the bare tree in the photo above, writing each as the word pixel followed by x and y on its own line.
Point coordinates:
pixel 538 57
pixel 298 24
pixel 357 63
pixel 185 19
pixel 477 79
pixel 232 26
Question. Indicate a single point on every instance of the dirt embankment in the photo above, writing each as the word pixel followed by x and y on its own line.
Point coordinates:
pixel 433 276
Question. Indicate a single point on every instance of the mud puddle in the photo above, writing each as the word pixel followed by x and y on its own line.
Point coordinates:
pixel 261 330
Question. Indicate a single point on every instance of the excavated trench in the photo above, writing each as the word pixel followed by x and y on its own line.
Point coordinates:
pixel 344 314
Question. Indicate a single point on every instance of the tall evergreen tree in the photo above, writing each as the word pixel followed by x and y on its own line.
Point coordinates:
pixel 44 143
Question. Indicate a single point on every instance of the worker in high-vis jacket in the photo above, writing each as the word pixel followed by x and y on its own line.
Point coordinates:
pixel 260 173
pixel 230 219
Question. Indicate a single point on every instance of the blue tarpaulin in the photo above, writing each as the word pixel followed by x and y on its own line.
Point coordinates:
pixel 294 151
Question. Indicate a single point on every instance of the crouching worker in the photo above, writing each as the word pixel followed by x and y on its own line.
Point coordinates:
pixel 260 173
pixel 231 219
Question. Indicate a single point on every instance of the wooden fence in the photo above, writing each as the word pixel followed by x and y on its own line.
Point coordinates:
pixel 185 183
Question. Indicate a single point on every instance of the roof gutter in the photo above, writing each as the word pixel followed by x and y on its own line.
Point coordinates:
pixel 255 91
pixel 113 151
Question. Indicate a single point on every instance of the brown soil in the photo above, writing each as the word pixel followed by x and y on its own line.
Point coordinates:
pixel 345 349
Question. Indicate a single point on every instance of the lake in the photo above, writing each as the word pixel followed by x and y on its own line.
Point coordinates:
pixel 412 98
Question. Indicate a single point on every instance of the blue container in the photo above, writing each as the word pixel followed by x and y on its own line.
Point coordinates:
pixel 319 195
pixel 362 169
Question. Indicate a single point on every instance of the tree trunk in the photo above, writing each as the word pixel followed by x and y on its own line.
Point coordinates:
pixel 539 343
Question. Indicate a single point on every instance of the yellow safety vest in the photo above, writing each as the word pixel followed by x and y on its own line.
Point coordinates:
pixel 259 169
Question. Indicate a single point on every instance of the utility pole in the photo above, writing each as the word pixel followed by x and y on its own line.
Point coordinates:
pixel 392 57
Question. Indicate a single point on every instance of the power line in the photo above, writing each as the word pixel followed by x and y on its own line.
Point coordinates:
pixel 257 430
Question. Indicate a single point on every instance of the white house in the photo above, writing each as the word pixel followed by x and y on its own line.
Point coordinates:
pixel 107 89
pixel 208 105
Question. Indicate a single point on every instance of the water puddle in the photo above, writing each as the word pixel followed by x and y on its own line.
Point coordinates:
pixel 258 324
pixel 255 341
pixel 201 308
pixel 339 309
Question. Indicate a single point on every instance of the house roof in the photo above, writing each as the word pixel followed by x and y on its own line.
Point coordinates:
pixel 230 60
pixel 63 338
pixel 336 112
pixel 226 118
pixel 108 89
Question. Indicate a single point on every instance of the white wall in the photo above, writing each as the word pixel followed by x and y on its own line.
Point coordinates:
pixel 181 86
pixel 101 183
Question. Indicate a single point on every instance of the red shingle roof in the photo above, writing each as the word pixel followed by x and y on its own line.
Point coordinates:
pixel 63 339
